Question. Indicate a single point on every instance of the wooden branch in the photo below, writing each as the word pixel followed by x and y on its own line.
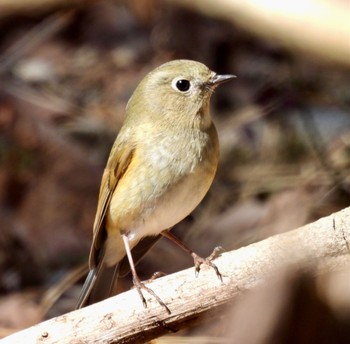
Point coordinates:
pixel 317 27
pixel 321 246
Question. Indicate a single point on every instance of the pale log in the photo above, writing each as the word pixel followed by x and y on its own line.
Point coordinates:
pixel 318 247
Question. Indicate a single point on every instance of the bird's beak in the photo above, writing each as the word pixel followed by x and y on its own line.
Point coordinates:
pixel 218 79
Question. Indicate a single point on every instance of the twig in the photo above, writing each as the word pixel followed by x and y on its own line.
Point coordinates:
pixel 319 247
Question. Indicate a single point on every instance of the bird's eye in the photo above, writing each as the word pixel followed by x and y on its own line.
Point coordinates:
pixel 182 85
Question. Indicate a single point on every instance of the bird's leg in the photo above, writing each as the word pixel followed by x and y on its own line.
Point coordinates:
pixel 198 261
pixel 136 280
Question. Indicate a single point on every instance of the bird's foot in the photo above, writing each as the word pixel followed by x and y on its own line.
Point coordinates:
pixel 198 261
pixel 139 286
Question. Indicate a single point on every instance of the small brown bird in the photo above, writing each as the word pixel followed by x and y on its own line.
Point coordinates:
pixel 159 169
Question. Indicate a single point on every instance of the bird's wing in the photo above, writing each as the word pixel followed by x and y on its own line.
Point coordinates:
pixel 118 162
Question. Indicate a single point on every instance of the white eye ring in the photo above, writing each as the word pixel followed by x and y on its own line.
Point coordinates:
pixel 181 84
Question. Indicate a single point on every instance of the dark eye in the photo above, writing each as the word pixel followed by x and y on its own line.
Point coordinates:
pixel 183 85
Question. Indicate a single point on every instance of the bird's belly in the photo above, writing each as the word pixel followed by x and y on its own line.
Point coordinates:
pixel 173 206
pixel 153 216
pixel 149 206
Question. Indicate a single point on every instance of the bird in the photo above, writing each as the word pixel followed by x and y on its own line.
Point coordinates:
pixel 160 167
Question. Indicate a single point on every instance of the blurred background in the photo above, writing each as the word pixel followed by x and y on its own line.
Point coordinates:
pixel 67 70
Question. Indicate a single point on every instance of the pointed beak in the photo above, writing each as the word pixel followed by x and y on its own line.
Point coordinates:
pixel 218 79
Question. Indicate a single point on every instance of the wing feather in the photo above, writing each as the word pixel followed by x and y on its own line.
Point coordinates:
pixel 118 162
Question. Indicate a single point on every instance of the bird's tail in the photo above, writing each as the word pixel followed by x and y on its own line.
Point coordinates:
pixel 98 285
pixel 101 280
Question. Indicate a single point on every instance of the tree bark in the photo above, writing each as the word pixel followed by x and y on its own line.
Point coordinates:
pixel 319 247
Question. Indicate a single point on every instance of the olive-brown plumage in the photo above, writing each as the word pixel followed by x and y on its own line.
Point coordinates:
pixel 159 169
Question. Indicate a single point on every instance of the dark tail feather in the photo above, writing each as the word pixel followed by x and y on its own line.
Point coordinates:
pixel 100 282
pixel 98 285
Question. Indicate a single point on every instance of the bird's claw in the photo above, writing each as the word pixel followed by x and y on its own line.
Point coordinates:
pixel 139 286
pixel 198 261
